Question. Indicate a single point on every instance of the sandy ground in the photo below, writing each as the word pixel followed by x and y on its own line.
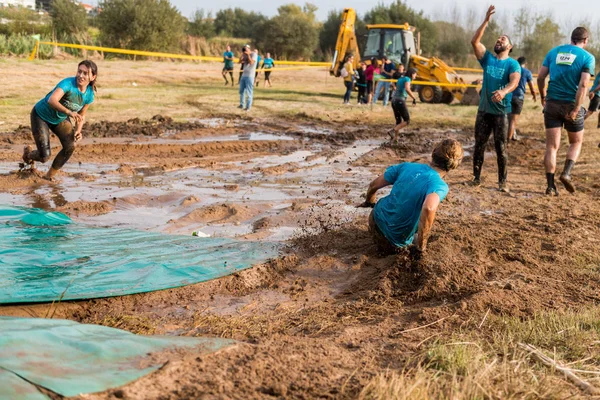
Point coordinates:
pixel 330 314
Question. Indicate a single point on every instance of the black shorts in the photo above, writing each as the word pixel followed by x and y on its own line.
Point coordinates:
pixel 227 69
pixel 400 111
pixel 369 87
pixel 594 104
pixel 517 105
pixel 556 115
pixel 267 75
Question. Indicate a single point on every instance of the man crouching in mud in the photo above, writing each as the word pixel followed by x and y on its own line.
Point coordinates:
pixel 410 207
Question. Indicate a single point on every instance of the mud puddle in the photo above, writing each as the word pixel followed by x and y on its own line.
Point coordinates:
pixel 265 197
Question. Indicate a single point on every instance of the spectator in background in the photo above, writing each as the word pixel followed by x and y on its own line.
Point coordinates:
pixel 594 100
pixel 247 80
pixel 518 98
pixel 258 60
pixel 228 65
pixel 372 68
pixel 348 74
pixel 361 83
pixel 268 64
pixel 387 72
pixel 243 57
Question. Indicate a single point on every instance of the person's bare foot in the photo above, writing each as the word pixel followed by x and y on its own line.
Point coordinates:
pixel 51 175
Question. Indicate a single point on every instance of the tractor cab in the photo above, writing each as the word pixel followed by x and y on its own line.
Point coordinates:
pixel 396 42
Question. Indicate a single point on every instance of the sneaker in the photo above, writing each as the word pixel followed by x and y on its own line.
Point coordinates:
pixel 567 182
pixel 551 191
pixel 503 187
pixel 476 181
pixel 391 134
pixel 241 106
pixel 515 137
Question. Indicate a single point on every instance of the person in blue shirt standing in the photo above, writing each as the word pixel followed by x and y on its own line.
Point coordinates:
pixel 268 64
pixel 501 76
pixel 387 72
pixel 69 100
pixel 258 60
pixel 518 98
pixel 570 68
pixel 228 65
pixel 594 105
pixel 406 215
pixel 399 102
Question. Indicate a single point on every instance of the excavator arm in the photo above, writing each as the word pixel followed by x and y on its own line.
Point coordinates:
pixel 346 43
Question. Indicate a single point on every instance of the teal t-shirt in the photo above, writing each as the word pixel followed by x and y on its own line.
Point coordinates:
pixel 397 215
pixel 268 63
pixel 566 63
pixel 73 99
pixel 400 92
pixel 228 63
pixel 496 75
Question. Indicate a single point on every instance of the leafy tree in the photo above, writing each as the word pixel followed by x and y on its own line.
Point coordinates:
pixel 239 23
pixel 201 25
pixel 293 33
pixel 68 17
pixel 454 43
pixel 399 12
pixel 546 35
pixel 153 25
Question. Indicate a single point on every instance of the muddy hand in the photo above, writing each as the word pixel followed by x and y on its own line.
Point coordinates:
pixel 491 11
pixel 76 117
pixel 366 204
pixel 498 96
pixel 78 136
pixel 573 114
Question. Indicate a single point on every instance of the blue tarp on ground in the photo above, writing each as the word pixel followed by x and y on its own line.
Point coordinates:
pixel 45 257
pixel 70 358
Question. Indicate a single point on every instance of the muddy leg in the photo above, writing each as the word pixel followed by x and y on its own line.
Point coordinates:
pixel 500 139
pixel 41 134
pixel 483 129
pixel 64 132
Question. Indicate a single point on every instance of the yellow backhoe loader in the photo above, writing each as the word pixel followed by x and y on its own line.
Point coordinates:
pixel 399 44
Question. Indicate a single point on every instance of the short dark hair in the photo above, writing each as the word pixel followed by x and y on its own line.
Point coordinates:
pixel 521 60
pixel 579 34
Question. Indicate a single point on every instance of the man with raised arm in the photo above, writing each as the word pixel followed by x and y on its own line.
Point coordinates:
pixel 570 68
pixel 501 75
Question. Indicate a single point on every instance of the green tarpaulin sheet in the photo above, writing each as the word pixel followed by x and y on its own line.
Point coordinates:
pixel 45 257
pixel 70 358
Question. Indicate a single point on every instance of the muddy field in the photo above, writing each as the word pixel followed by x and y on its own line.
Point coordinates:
pixel 330 318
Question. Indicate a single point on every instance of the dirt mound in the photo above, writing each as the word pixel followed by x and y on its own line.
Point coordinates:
pixel 81 207
pixel 155 126
pixel 219 213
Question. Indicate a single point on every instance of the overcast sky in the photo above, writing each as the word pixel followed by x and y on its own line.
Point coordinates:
pixel 576 10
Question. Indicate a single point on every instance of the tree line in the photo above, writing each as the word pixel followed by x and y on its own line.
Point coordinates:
pixel 294 33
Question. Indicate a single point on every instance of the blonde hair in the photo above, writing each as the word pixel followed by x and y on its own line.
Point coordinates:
pixel 447 155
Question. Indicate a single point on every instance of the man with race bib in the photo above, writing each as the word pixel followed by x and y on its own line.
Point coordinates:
pixel 570 68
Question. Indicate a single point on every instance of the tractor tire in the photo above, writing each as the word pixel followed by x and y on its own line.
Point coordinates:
pixel 430 94
pixel 447 97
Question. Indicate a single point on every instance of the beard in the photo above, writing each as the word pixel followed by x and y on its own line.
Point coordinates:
pixel 499 48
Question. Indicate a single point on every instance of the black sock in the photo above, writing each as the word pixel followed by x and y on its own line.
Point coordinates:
pixel 568 167
pixel 550 179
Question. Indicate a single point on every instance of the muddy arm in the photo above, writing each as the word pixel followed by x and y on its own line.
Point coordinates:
pixel 478 47
pixel 374 186
pixel 430 206
pixel 54 102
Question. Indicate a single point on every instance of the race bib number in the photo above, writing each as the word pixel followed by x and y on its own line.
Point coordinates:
pixel 565 58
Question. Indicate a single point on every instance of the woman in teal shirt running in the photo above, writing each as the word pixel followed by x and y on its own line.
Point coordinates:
pixel 268 64
pixel 67 102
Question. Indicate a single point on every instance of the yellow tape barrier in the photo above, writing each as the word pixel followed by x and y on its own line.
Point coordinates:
pixel 427 83
pixel 161 55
